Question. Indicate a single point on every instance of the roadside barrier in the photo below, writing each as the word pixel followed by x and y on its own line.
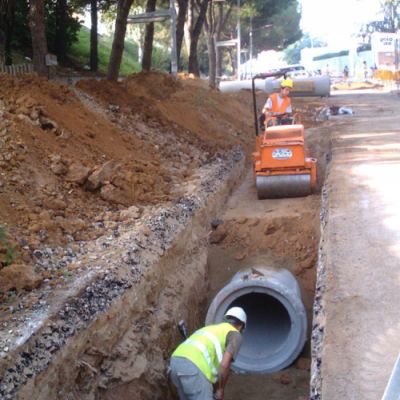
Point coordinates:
pixel 16 69
pixel 387 75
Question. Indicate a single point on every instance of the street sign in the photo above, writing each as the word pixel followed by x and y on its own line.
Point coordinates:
pixel 227 43
pixel 154 16
pixel 51 60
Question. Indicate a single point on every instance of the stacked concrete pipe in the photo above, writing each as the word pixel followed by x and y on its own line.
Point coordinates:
pixel 318 86
pixel 277 323
pixel 303 87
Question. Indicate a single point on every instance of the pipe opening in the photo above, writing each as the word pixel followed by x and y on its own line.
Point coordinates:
pixel 277 323
pixel 268 326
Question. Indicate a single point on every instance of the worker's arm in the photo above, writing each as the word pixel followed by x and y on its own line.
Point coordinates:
pixel 224 370
pixel 267 107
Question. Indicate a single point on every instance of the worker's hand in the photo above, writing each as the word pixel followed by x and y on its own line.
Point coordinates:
pixel 219 394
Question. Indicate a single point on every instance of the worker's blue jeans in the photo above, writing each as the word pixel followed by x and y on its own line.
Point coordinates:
pixel 190 382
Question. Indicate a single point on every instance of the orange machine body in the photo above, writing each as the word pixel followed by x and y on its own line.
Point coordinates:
pixel 280 150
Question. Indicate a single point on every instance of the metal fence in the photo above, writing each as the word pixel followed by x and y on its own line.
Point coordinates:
pixel 16 69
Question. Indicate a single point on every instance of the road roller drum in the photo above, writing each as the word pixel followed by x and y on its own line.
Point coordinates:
pixel 279 186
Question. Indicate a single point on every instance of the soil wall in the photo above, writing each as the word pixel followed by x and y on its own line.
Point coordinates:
pixel 110 337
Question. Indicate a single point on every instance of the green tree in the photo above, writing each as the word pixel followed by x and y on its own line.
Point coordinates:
pixel 94 44
pixel 390 22
pixel 14 28
pixel 62 26
pixel 52 21
pixel 391 9
pixel 7 17
pixel 283 17
pixel 180 25
pixel 123 7
pixel 198 7
pixel 148 38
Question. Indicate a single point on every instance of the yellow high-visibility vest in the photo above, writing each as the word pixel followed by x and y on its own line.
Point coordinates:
pixel 205 348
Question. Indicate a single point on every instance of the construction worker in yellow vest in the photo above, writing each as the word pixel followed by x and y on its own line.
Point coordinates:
pixel 200 366
pixel 278 108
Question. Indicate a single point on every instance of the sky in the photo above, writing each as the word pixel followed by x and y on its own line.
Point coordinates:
pixel 336 20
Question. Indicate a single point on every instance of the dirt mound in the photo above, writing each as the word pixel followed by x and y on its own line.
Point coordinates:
pixel 71 160
pixel 282 235
pixel 52 148
pixel 189 109
pixel 157 84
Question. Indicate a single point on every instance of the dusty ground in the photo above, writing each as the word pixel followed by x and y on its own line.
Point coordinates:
pixel 357 331
pixel 81 167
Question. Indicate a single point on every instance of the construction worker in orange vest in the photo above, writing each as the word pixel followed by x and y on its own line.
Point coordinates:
pixel 278 108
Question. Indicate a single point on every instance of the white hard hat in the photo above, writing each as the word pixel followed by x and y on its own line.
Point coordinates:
pixel 238 313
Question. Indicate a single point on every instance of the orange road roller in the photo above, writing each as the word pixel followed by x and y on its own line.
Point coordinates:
pixel 281 165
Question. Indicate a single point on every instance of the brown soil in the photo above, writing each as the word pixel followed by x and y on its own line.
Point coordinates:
pixel 71 160
pixel 75 162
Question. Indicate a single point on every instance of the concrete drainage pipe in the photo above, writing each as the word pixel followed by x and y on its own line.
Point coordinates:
pixel 277 323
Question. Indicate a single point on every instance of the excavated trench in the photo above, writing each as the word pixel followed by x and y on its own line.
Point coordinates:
pixel 263 256
pixel 110 333
pixel 274 282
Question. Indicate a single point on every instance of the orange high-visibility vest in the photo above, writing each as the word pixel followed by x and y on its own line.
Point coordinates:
pixel 275 104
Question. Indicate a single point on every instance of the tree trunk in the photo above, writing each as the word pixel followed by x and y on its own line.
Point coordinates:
pixel 188 28
pixel 218 66
pixel 233 62
pixel 212 82
pixel 61 30
pixel 148 38
pixel 212 77
pixel 180 26
pixel 218 50
pixel 94 57
pixel 117 50
pixel 38 32
pixel 194 40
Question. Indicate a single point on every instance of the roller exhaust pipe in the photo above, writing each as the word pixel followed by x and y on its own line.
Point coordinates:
pixel 276 330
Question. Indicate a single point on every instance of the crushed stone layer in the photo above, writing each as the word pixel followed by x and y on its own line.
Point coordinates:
pixel 356 331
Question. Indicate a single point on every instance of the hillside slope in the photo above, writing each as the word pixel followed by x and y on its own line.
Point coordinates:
pixel 73 159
